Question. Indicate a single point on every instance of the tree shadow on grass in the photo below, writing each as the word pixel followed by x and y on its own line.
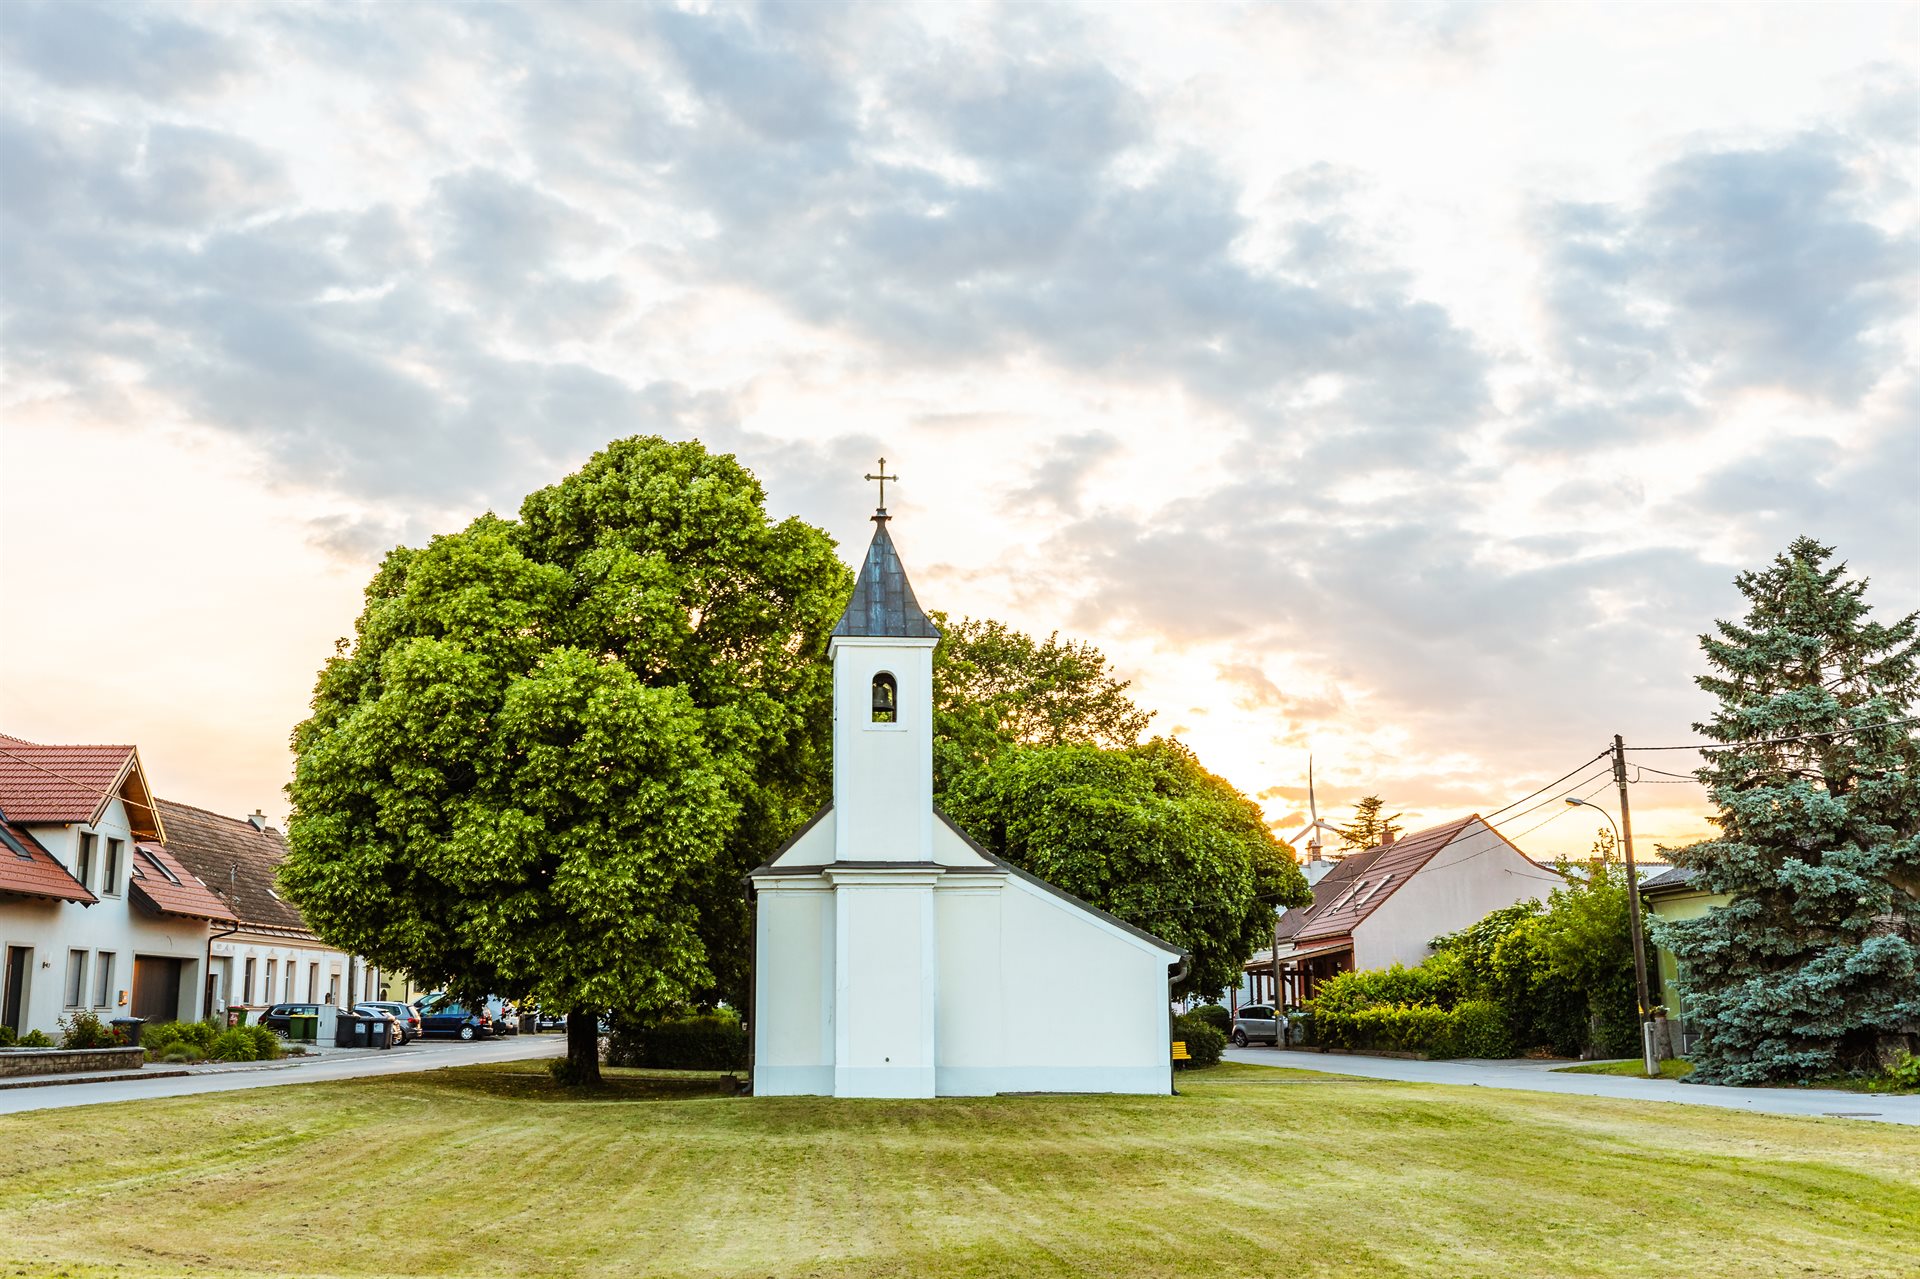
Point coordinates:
pixel 531 1081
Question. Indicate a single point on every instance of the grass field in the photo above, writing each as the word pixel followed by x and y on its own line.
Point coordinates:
pixel 1254 1171
pixel 1671 1068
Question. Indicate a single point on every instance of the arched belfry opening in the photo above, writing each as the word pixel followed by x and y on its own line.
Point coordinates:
pixel 886 699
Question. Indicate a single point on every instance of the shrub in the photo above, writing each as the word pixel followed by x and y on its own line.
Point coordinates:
pixel 6 1036
pixel 82 1029
pixel 705 1041
pixel 1204 1042
pixel 1479 1030
pixel 34 1039
pixel 266 1044
pixel 1214 1015
pixel 180 1040
pixel 233 1045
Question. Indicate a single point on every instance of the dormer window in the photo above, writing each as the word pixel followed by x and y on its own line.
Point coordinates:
pixel 886 699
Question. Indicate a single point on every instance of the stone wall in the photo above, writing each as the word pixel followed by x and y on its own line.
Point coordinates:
pixel 61 1061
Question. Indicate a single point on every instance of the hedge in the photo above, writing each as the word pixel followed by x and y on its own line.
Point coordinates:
pixel 1204 1042
pixel 1471 1028
pixel 1214 1015
pixel 709 1041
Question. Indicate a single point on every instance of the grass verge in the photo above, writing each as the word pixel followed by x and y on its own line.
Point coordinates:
pixel 1671 1068
pixel 494 1170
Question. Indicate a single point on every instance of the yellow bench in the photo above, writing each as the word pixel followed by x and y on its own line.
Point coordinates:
pixel 1180 1052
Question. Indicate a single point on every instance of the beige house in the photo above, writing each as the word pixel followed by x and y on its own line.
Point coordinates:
pixel 1384 905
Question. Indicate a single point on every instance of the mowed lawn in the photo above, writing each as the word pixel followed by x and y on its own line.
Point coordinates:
pixel 1253 1171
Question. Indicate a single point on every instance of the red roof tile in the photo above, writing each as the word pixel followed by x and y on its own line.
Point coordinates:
pixel 236 860
pixel 58 784
pixel 162 884
pixel 1387 867
pixel 28 869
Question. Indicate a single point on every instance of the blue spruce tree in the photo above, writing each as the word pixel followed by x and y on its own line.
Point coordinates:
pixel 1813 968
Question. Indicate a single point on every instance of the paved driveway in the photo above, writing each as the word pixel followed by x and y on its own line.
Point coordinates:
pixel 1531 1076
pixel 424 1054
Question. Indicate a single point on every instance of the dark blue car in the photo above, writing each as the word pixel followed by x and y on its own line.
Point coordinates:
pixel 441 1015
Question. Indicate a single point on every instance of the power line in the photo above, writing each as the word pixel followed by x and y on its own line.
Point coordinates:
pixel 1604 783
pixel 86 787
pixel 1551 799
pixel 1549 786
pixel 1648 768
pixel 1703 747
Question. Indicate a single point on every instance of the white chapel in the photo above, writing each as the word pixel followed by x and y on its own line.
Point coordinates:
pixel 895 957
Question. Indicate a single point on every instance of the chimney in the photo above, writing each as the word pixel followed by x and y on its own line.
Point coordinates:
pixel 1313 849
pixel 1388 838
pixel 259 820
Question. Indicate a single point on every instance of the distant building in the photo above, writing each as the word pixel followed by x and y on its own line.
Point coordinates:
pixel 1385 904
pixel 95 913
pixel 1675 893
pixel 267 955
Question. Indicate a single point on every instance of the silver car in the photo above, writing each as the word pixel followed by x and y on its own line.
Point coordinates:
pixel 1257 1024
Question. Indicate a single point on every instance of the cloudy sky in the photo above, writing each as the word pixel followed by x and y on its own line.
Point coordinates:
pixel 1399 384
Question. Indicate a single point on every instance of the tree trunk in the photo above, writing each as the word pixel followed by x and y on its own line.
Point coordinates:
pixel 583 1047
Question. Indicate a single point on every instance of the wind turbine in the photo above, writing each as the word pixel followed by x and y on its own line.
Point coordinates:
pixel 1315 826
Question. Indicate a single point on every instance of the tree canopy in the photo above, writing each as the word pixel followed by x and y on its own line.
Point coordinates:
pixel 555 743
pixel 1812 968
pixel 1145 833
pixel 1368 827
pixel 995 687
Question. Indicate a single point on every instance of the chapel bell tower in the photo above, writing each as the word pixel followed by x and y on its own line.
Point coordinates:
pixel 882 654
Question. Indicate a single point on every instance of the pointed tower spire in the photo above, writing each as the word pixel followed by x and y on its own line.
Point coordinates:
pixel 883 605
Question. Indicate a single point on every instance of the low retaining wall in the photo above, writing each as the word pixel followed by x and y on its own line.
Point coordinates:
pixel 15 1062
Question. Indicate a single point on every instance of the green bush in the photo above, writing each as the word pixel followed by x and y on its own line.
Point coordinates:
pixel 1479 1030
pixel 705 1041
pixel 267 1046
pixel 1214 1015
pixel 233 1045
pixel 34 1039
pixel 1204 1042
pixel 82 1029
pixel 6 1036
pixel 180 1040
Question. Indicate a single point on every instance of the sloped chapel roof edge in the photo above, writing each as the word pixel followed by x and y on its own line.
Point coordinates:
pixel 883 604
pixel 766 867
pixel 1055 890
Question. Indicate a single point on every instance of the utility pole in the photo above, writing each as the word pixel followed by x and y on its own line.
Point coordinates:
pixel 1633 910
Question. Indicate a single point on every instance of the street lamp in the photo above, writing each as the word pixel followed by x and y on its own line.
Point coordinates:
pixel 1633 929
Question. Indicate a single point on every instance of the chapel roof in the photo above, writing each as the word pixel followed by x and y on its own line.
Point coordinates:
pixel 883 604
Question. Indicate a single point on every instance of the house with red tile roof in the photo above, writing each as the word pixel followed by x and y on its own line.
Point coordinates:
pixel 1383 905
pixel 94 914
pixel 271 956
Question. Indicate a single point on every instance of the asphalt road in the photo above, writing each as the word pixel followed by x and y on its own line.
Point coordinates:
pixel 424 1054
pixel 1528 1076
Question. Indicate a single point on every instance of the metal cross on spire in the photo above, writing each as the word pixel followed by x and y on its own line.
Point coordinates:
pixel 883 477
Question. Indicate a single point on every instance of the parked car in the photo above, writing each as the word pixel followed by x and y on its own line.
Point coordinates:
pixel 544 1020
pixel 275 1018
pixel 440 1014
pixel 1257 1024
pixel 506 1018
pixel 386 1010
pixel 406 1014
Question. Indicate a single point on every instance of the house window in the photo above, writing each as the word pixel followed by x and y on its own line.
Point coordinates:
pixel 273 968
pixel 886 699
pixel 76 977
pixel 1346 896
pixel 83 864
pixel 103 980
pixel 289 993
pixel 110 873
pixel 313 984
pixel 246 991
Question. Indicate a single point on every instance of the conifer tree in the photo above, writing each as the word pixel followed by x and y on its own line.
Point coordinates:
pixel 1812 969
pixel 1368 827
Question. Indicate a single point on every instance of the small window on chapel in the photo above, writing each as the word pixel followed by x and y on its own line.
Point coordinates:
pixel 886 701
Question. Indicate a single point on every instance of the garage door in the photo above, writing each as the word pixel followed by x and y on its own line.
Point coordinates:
pixel 156 987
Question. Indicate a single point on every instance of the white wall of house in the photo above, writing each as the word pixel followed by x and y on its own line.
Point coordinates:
pixel 318 973
pixel 1476 873
pixel 94 948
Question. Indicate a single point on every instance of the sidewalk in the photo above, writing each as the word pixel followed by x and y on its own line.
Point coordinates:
pixel 1537 1076
pixel 170 1080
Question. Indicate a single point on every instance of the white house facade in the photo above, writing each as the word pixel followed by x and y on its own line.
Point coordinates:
pixel 95 915
pixel 895 957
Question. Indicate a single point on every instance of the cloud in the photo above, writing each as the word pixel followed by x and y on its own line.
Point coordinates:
pixel 129 47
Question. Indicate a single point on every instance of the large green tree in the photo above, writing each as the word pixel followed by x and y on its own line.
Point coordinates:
pixel 1145 833
pixel 995 687
pixel 1812 968
pixel 555 743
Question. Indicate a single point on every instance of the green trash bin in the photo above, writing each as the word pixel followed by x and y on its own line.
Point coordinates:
pixel 303 1028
